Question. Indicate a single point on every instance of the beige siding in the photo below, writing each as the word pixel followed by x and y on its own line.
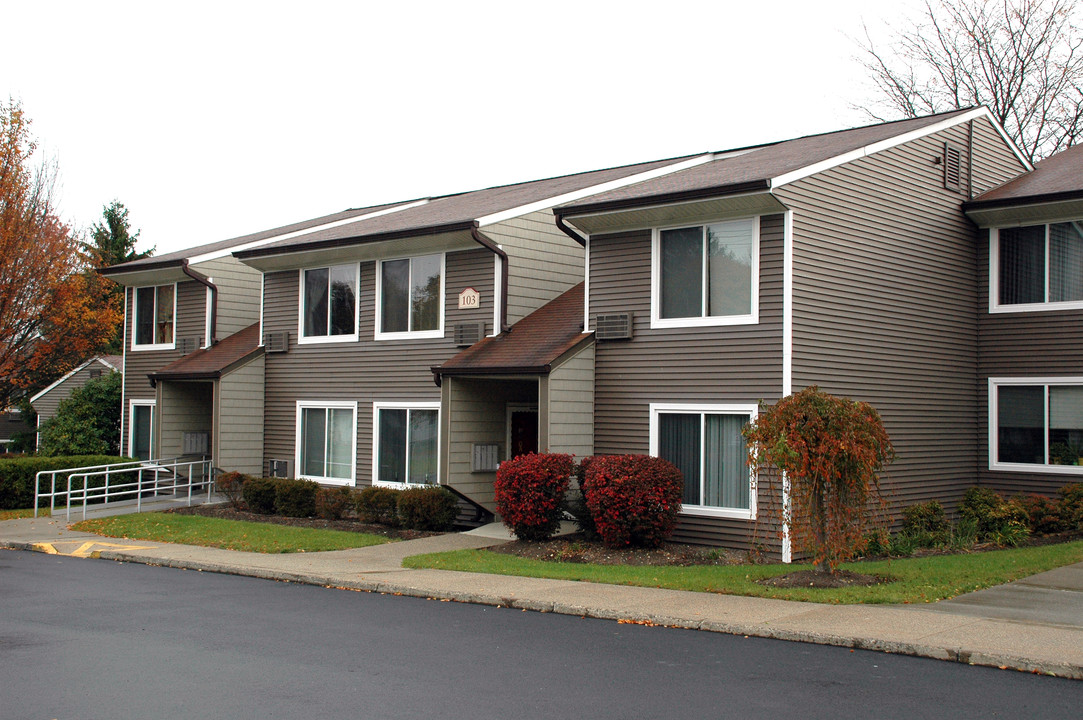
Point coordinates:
pixel 571 405
pixel 238 293
pixel 239 431
pixel 46 405
pixel 885 300
pixel 183 407
pixel 365 371
pixel 543 261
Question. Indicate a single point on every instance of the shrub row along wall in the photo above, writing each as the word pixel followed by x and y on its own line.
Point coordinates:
pixel 17 476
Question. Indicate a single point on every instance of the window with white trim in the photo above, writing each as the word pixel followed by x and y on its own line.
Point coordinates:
pixel 406 444
pixel 152 320
pixel 706 274
pixel 1036 424
pixel 706 444
pixel 410 297
pixel 327 441
pixel 1037 267
pixel 329 303
pixel 141 429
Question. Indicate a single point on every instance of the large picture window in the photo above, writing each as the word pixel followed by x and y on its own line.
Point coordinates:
pixel 153 318
pixel 706 274
pixel 407 444
pixel 329 303
pixel 1037 267
pixel 706 444
pixel 1036 423
pixel 326 441
pixel 410 293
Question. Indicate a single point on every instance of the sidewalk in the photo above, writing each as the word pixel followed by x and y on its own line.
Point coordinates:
pixel 1033 625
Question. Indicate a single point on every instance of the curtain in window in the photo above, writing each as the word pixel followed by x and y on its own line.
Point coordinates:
pixel 316 302
pixel 339 443
pixel 164 315
pixel 313 441
pixel 1022 265
pixel 679 443
pixel 391 453
pixel 144 316
pixel 423 446
pixel 394 297
pixel 1021 423
pixel 729 268
pixel 682 272
pixel 425 293
pixel 1065 262
pixel 725 462
pixel 343 293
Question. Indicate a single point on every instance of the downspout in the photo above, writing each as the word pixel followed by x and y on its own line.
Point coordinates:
pixel 482 240
pixel 214 298
pixel 567 230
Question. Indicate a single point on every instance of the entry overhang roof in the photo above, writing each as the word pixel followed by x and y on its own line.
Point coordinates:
pixel 213 362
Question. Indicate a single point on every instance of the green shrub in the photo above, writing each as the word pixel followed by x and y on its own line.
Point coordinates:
pixel 17 477
pixel 995 519
pixel 529 492
pixel 1070 506
pixel 231 484
pixel 377 505
pixel 634 499
pixel 296 498
pixel 925 518
pixel 333 503
pixel 978 504
pixel 259 495
pixel 427 508
pixel 87 422
pixel 1043 514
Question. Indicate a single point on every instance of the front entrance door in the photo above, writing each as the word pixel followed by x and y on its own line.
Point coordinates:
pixel 142 425
pixel 523 431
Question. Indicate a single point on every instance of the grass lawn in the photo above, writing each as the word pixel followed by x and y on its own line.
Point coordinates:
pixel 915 580
pixel 227 534
pixel 22 513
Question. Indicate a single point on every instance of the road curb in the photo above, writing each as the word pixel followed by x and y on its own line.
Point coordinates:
pixel 960 655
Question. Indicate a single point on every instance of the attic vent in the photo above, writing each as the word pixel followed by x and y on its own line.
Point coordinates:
pixel 186 345
pixel 614 326
pixel 279 468
pixel 95 374
pixel 277 342
pixel 469 333
pixel 953 164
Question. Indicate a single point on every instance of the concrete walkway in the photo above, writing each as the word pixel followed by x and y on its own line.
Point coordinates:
pixel 1034 624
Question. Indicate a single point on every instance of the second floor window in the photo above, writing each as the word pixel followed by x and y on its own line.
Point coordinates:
pixel 1038 265
pixel 153 322
pixel 329 302
pixel 411 294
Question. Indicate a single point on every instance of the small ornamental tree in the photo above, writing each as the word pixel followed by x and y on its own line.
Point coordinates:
pixel 831 450
pixel 633 499
pixel 530 493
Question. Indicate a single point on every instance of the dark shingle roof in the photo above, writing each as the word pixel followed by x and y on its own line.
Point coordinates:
pixel 532 344
pixel 750 168
pixel 1058 176
pixel 213 362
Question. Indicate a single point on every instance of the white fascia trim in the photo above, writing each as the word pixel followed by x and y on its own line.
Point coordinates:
pixel 226 252
pixel 124 366
pixel 876 147
pixel 787 303
pixel 586 285
pixel 594 190
pixel 391 405
pixel 498 297
pixel 207 317
pixel 262 294
pixel 325 405
pixel 631 228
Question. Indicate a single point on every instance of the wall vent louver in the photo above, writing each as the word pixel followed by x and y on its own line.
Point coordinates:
pixel 188 345
pixel 279 468
pixel 467 334
pixel 277 342
pixel 953 167
pixel 613 326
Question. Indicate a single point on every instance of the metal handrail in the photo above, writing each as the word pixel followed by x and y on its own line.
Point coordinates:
pixel 148 477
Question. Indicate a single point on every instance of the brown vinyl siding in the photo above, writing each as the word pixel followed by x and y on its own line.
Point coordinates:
pixel 1022 344
pixel 365 371
pixel 189 322
pixel 238 293
pixel 183 407
pixel 698 365
pixel 885 300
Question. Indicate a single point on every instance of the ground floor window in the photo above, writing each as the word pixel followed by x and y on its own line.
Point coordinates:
pixel 141 429
pixel 706 444
pixel 327 441
pixel 406 443
pixel 1036 422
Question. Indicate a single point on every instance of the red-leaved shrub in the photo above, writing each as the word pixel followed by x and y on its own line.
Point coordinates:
pixel 530 492
pixel 634 499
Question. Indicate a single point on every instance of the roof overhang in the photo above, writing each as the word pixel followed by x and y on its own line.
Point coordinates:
pixel 1008 212
pixel 734 201
pixel 168 271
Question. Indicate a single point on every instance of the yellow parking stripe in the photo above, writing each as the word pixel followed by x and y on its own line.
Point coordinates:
pixel 86 549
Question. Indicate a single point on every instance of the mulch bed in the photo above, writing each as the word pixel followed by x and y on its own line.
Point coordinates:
pixel 224 510
pixel 576 549
pixel 812 578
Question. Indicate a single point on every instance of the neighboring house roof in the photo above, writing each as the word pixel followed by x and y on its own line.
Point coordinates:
pixel 1053 190
pixel 112 362
pixel 762 167
pixel 216 361
pixel 532 345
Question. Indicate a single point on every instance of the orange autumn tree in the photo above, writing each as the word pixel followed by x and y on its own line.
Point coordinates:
pixel 831 450
pixel 53 312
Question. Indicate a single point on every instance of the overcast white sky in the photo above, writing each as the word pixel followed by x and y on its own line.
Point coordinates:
pixel 212 120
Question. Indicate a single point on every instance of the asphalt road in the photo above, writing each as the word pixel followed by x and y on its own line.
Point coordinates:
pixel 99 639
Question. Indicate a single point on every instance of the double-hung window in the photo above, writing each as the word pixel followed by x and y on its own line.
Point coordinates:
pixel 410 294
pixel 327 441
pixel 706 445
pixel 706 274
pixel 329 303
pixel 1037 267
pixel 1036 424
pixel 152 324
pixel 407 444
